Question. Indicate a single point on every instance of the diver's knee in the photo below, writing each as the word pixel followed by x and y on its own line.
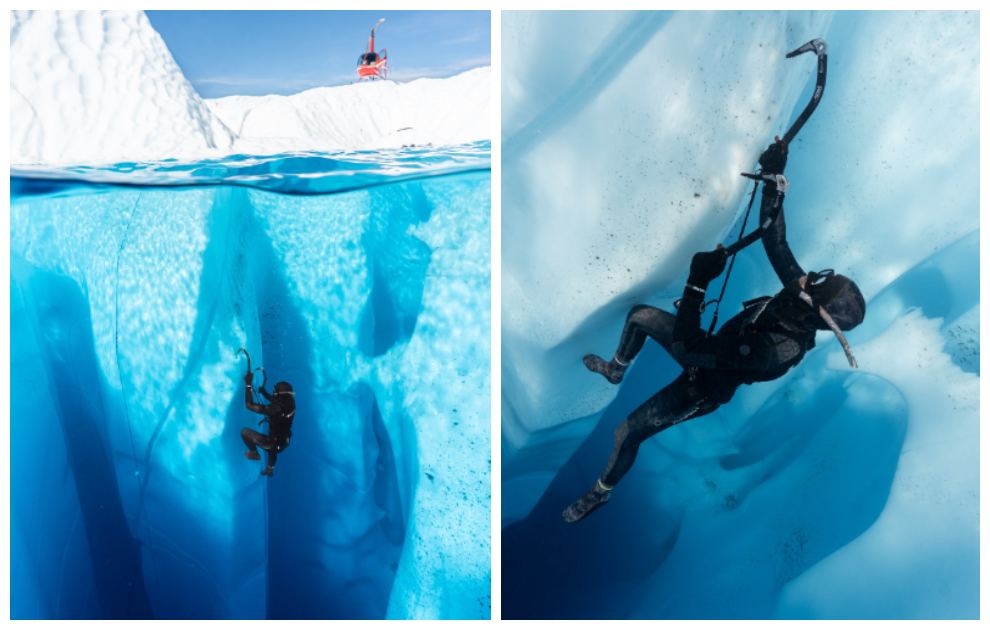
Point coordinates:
pixel 622 432
pixel 639 308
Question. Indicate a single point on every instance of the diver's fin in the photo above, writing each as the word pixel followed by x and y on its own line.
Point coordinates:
pixel 591 501
pixel 611 370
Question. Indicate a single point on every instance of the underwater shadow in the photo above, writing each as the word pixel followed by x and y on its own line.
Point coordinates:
pixel 60 313
pixel 310 575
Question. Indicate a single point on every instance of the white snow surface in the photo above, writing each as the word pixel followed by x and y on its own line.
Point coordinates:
pixel 380 114
pixel 91 87
pixel 95 87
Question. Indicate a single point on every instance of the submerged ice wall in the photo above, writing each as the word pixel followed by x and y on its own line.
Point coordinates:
pixel 98 87
pixel 128 307
pixel 662 183
pixel 805 497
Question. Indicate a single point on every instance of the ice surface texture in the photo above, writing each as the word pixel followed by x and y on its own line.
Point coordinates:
pixel 131 494
pixel 100 87
pixel 362 116
pixel 91 86
pixel 829 493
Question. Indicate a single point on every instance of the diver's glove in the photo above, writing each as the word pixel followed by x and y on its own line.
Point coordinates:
pixel 705 267
pixel 774 159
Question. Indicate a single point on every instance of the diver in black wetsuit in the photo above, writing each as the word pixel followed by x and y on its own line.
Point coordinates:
pixel 770 336
pixel 279 415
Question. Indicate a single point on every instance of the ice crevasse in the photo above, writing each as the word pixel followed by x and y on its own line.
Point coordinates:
pixel 830 492
pixel 132 305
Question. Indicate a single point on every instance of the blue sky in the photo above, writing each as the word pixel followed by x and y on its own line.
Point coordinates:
pixel 283 52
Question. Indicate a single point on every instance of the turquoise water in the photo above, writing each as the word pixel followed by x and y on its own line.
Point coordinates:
pixel 303 173
pixel 361 278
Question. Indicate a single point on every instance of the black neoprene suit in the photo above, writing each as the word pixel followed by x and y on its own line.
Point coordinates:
pixel 280 414
pixel 759 344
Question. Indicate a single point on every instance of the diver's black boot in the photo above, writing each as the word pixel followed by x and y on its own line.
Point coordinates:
pixel 268 471
pixel 611 370
pixel 252 455
pixel 594 499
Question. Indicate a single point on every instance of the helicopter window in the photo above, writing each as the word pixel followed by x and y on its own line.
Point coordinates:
pixel 368 59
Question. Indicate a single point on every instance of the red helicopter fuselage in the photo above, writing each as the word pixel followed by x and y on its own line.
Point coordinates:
pixel 371 64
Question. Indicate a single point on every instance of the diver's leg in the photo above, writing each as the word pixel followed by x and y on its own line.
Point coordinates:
pixel 672 405
pixel 272 456
pixel 252 439
pixel 675 403
pixel 641 322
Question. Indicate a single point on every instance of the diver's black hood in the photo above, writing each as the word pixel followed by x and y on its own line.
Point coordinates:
pixel 838 294
pixel 841 298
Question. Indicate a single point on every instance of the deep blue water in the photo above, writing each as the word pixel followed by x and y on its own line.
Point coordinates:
pixel 133 286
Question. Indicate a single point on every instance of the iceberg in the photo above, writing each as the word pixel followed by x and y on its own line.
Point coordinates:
pixel 373 115
pixel 137 273
pixel 829 493
pixel 75 75
pixel 101 86
pixel 128 308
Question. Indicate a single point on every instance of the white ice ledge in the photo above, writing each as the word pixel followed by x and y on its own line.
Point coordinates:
pixel 93 87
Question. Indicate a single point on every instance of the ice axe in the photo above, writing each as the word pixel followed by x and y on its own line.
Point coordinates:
pixel 820 48
pixel 264 375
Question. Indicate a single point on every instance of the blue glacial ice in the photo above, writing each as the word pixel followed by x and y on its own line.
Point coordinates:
pixel 363 280
pixel 830 493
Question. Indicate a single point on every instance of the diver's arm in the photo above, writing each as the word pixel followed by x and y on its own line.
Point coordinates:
pixel 773 161
pixel 774 236
pixel 264 392
pixel 691 346
pixel 772 229
pixel 687 337
pixel 253 406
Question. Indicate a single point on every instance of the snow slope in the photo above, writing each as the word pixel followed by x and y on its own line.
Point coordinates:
pixel 92 86
pixel 828 493
pixel 361 116
pixel 101 87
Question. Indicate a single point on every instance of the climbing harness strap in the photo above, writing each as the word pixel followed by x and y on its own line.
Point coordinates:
pixel 732 262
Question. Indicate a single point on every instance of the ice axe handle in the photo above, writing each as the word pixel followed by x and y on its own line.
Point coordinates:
pixel 245 352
